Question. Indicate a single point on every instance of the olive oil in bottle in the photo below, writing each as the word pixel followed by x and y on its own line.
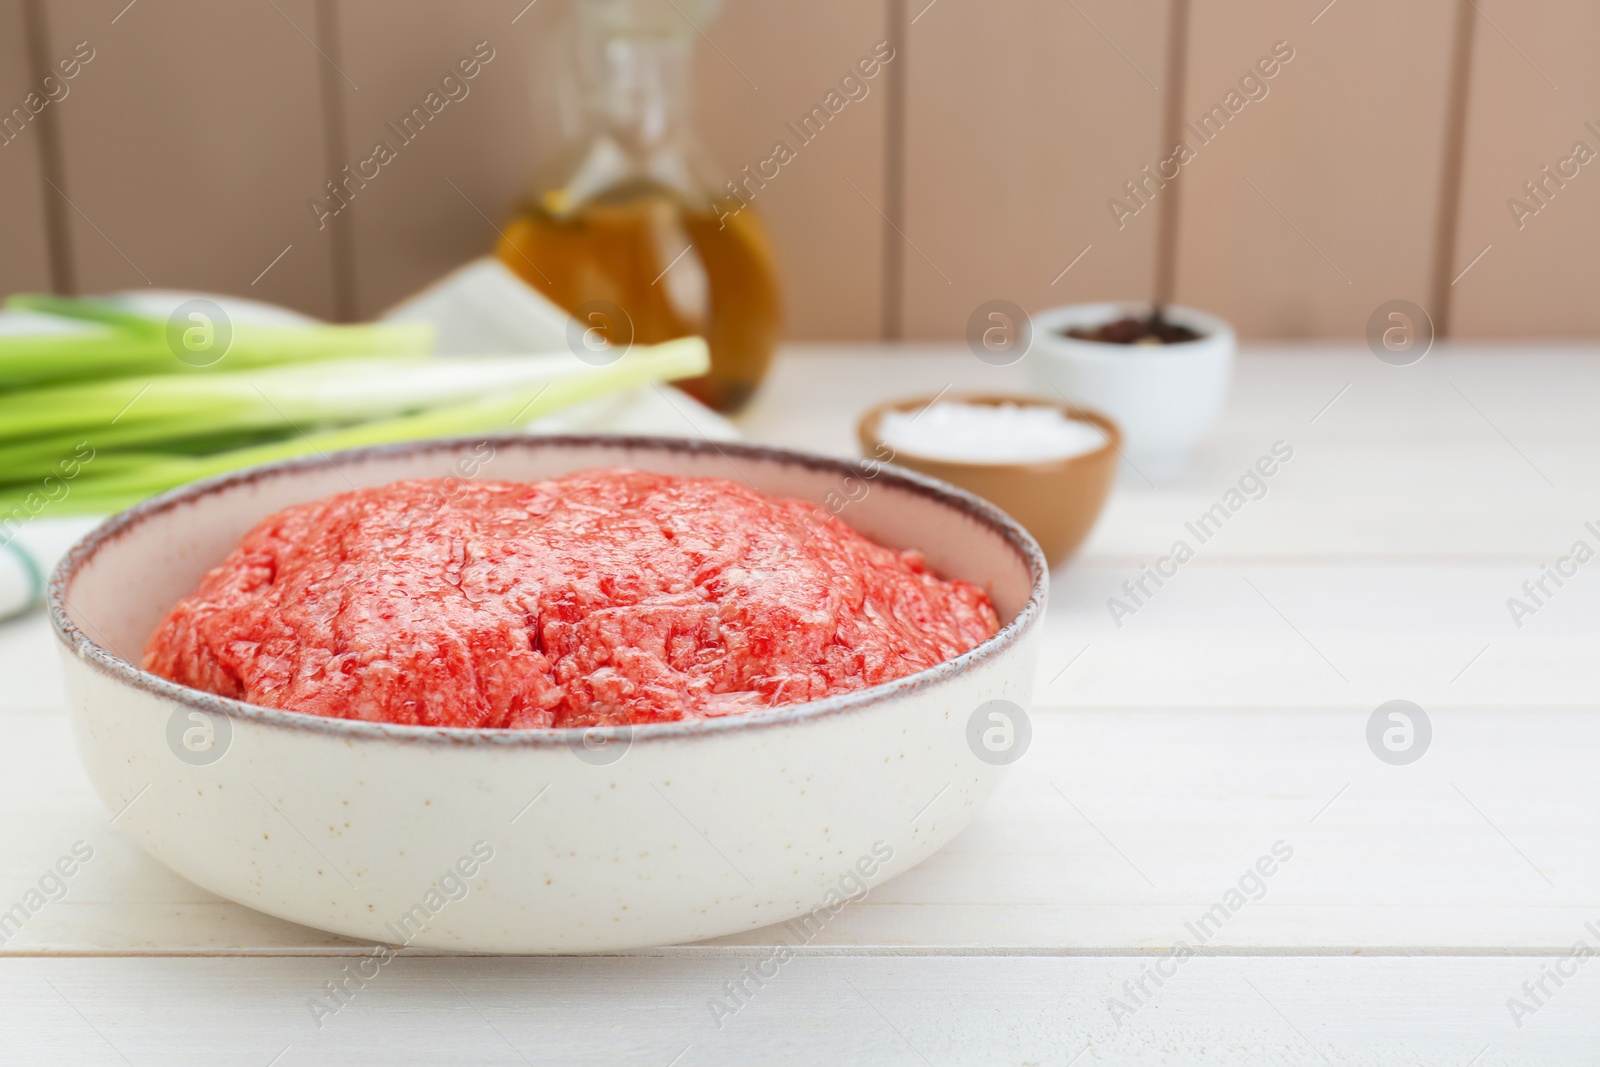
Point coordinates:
pixel 627 222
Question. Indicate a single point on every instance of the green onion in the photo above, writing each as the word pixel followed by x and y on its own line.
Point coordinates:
pixel 114 342
pixel 323 409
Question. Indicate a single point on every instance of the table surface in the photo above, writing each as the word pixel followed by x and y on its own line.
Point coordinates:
pixel 1429 913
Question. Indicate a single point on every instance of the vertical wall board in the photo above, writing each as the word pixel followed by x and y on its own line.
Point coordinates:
pixel 1535 95
pixel 1024 118
pixel 190 143
pixel 24 246
pixel 1317 202
pixel 828 238
pixel 438 202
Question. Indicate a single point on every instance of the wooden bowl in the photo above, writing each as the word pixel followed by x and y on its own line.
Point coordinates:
pixel 1057 500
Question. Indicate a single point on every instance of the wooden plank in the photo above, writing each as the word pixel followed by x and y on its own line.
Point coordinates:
pixel 1388 484
pixel 1389 462
pixel 1375 539
pixel 440 202
pixel 1347 635
pixel 828 239
pixel 1315 203
pixel 25 266
pixel 1458 394
pixel 188 165
pixel 1227 713
pixel 1115 832
pixel 1023 119
pixel 1294 1011
pixel 1532 98
pixel 1359 634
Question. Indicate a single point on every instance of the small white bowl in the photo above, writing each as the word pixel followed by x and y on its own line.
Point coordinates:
pixel 542 840
pixel 1165 398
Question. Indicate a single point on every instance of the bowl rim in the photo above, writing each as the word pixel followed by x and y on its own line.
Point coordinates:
pixel 867 431
pixel 1047 324
pixel 129 674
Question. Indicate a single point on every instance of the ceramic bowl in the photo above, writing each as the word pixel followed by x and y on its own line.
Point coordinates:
pixel 1166 398
pixel 543 841
pixel 1057 500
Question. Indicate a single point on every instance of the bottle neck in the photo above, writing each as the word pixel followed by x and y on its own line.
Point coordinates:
pixel 637 90
pixel 630 64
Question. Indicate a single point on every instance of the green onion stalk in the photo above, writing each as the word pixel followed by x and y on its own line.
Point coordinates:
pixel 112 342
pixel 157 439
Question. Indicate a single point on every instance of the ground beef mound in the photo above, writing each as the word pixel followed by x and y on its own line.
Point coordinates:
pixel 600 598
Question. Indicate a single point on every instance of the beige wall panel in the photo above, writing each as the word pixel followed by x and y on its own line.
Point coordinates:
pixel 1023 120
pixel 410 225
pixel 1538 280
pixel 828 239
pixel 1347 147
pixel 190 145
pixel 24 248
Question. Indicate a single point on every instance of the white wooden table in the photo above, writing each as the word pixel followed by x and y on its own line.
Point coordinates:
pixel 1228 715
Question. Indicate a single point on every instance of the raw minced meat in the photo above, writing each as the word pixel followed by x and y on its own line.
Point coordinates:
pixel 604 597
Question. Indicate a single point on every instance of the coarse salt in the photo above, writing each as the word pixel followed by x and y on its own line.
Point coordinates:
pixel 989 433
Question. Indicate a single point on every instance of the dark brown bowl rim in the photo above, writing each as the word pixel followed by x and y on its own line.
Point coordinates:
pixel 121 670
pixel 867 429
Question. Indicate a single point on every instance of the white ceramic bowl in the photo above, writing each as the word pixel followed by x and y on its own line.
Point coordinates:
pixel 1165 398
pixel 548 840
